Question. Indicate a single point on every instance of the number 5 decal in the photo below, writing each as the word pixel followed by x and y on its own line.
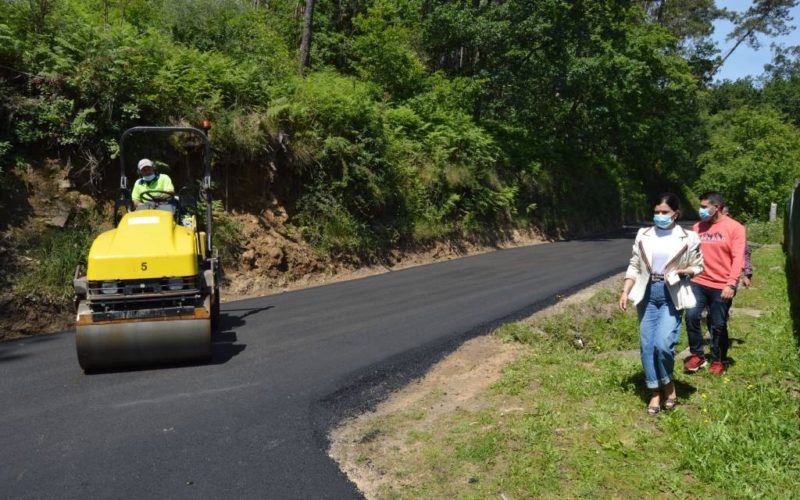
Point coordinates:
pixel 144 266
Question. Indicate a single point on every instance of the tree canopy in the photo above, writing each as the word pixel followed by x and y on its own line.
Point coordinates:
pixel 412 119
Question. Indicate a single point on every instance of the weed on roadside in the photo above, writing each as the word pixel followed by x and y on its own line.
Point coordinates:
pixel 764 232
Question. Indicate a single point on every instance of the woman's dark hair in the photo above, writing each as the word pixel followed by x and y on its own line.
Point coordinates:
pixel 670 199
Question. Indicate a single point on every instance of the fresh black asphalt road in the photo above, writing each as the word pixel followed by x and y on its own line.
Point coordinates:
pixel 253 423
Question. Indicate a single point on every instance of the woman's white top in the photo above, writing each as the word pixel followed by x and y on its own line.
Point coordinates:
pixel 668 243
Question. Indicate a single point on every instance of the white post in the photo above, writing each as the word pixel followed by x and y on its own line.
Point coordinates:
pixel 773 211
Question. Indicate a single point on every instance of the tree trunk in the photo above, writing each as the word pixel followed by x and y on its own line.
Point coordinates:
pixel 739 41
pixel 727 55
pixel 305 44
pixel 40 9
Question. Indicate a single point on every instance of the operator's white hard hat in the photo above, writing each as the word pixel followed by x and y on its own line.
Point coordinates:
pixel 144 162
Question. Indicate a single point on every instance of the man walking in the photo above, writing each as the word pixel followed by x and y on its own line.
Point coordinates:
pixel 722 242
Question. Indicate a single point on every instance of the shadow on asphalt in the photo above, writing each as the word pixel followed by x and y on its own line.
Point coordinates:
pixel 8 347
pixel 7 356
pixel 33 339
pixel 223 342
pixel 235 320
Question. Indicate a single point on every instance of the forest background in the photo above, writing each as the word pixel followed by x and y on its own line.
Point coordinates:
pixel 385 124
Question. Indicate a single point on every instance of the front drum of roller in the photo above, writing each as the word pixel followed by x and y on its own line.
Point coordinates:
pixel 121 344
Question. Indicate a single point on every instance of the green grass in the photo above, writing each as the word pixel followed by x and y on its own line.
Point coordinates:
pixel 568 419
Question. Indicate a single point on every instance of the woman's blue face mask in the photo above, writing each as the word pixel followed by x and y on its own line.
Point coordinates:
pixel 662 221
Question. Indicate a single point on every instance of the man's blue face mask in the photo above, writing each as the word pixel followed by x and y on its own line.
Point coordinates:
pixel 705 213
pixel 149 178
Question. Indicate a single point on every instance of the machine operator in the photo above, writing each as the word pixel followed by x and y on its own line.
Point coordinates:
pixel 152 189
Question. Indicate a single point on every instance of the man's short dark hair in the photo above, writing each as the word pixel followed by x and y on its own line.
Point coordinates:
pixel 714 197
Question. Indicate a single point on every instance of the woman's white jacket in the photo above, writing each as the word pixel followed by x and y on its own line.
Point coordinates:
pixel 639 269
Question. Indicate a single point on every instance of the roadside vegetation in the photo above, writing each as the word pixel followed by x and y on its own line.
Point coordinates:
pixel 568 416
pixel 765 232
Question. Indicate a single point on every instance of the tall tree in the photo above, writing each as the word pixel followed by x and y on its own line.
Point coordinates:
pixel 305 43
pixel 689 20
pixel 767 17
pixel 754 158
pixel 39 11
pixel 692 24
pixel 781 83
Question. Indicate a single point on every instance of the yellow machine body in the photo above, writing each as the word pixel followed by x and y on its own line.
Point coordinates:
pixel 145 298
pixel 146 244
pixel 149 292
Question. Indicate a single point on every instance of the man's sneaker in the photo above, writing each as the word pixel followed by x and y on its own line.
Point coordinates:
pixel 694 363
pixel 717 368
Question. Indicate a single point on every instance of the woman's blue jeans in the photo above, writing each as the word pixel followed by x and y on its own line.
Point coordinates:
pixel 659 332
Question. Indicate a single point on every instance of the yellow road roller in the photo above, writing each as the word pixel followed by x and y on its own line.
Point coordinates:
pixel 149 292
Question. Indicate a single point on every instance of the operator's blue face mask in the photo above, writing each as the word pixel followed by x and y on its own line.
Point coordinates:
pixel 662 221
pixel 149 178
pixel 705 213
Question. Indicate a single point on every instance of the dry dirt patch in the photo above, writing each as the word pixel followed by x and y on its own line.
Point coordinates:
pixel 364 444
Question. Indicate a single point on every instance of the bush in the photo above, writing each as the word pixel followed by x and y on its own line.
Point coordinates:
pixel 765 233
pixel 227 240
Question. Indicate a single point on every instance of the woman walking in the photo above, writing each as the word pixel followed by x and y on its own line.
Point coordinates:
pixel 664 257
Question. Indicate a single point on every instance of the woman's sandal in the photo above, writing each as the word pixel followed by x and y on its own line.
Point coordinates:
pixel 654 409
pixel 670 403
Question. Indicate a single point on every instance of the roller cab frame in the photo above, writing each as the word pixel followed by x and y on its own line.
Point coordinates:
pixel 149 293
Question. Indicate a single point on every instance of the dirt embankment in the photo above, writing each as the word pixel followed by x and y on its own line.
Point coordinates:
pixel 33 202
pixel 272 257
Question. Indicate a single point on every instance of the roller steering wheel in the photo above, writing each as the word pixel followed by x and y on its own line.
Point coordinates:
pixel 156 196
